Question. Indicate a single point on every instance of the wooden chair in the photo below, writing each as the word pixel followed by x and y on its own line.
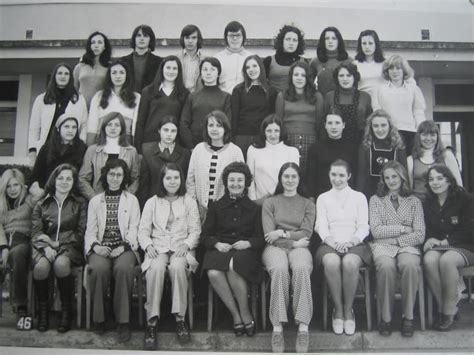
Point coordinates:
pixel 421 301
pixel 210 305
pixel 77 273
pixel 364 273
pixel 140 292
pixel 466 272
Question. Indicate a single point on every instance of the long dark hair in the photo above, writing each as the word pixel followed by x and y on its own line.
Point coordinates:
pixel 104 58
pixel 448 174
pixel 321 51
pixel 52 91
pixel 378 54
pixel 271 118
pixel 55 142
pixel 126 92
pixel 351 68
pixel 309 89
pixel 262 77
pixel 179 88
pixel 279 188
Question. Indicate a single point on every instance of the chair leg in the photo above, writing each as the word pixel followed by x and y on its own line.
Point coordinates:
pixel 469 290
pixel 253 298
pixel 210 305
pixel 325 303
pixel 421 301
pixel 87 271
pixel 368 303
pixel 263 291
pixel 79 297
pixel 140 296
pixel 31 294
pixel 429 299
pixel 2 280
pixel 190 302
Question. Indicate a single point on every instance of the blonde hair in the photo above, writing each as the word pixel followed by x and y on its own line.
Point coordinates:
pixel 397 61
pixel 396 140
pixel 4 180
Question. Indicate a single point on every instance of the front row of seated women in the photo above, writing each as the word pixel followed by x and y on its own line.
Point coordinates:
pixel 170 228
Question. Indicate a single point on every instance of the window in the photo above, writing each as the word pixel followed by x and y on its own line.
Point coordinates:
pixel 8 110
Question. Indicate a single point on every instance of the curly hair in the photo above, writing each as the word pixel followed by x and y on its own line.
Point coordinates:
pixel 351 68
pixel 126 92
pixel 112 164
pixel 309 89
pixel 104 58
pixel 237 167
pixel 396 140
pixel 382 188
pixel 378 54
pixel 278 45
pixel 321 50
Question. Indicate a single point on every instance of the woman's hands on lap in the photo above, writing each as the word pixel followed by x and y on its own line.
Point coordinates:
pixel 182 250
pixel 223 247
pixel 241 245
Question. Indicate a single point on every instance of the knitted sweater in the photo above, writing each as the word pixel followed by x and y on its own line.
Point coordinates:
pixel 115 104
pixel 294 214
pixel 320 156
pixel 323 72
pixel 153 107
pixel 370 77
pixel 406 105
pixel 231 63
pixel 300 117
pixel 197 182
pixel 250 107
pixel 265 163
pixel 197 106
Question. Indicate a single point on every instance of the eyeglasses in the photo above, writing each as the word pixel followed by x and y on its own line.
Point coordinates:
pixel 234 35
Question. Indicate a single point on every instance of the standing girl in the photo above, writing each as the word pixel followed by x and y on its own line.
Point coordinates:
pixel 301 110
pixel 117 96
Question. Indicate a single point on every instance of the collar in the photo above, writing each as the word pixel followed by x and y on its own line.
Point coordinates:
pixel 100 148
pixel 245 202
pixel 389 83
pixel 196 55
pixel 71 195
pixel 240 51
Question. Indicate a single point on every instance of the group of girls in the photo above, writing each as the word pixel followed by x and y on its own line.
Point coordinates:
pixel 319 140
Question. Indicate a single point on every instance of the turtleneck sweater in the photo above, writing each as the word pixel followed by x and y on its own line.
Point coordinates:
pixel 324 71
pixel 320 156
pixel 196 107
pixel 265 163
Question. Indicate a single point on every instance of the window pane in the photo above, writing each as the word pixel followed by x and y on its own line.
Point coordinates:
pixel 8 90
pixel 454 94
pixel 7 131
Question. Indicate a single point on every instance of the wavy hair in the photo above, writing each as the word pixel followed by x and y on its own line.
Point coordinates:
pixel 112 164
pixel 321 50
pixel 351 68
pixel 50 186
pixel 309 89
pixel 382 188
pixel 126 92
pixel 448 174
pixel 104 58
pixel 396 141
pixel 378 54
pixel 4 180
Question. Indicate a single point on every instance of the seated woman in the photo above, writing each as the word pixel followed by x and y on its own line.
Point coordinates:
pixel 157 154
pixel 111 245
pixel 266 156
pixel 59 223
pixel 64 146
pixel 16 206
pixel 112 144
pixel 232 235
pixel 342 224
pixel 380 144
pixel 169 233
pixel 449 245
pixel 398 228
pixel 288 220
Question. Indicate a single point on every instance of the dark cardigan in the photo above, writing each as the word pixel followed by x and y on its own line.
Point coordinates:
pixel 151 67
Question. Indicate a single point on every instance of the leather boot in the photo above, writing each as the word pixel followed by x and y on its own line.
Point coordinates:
pixel 65 285
pixel 41 289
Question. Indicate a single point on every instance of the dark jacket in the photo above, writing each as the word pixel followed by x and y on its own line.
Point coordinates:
pixel 151 67
pixel 72 154
pixel 67 226
pixel 454 221
pixel 151 164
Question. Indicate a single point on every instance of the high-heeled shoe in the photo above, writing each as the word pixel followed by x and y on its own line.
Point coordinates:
pixel 250 328
pixel 239 329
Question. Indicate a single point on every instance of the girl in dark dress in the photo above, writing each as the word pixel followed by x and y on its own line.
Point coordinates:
pixel 232 235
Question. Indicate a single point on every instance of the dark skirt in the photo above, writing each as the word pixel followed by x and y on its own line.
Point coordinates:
pixel 466 254
pixel 74 254
pixel 244 142
pixel 362 250
pixel 246 263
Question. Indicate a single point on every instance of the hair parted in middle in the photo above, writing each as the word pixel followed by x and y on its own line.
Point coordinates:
pixel 271 118
pixel 104 58
pixel 290 165
pixel 378 54
pixel 52 91
pixel 262 78
pixel 147 31
pixel 126 92
pixel 112 164
pixel 428 127
pixel 188 30
pixel 309 89
pixel 7 175
pixel 123 141
pixel 382 188
pixel 396 140
pixel 321 50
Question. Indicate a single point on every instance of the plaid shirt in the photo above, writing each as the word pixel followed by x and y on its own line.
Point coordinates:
pixel 386 222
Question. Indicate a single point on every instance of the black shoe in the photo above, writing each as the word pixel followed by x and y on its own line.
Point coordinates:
pixel 43 321
pixel 407 327
pixel 150 342
pixel 446 322
pixel 437 320
pixel 99 328
pixel 65 323
pixel 250 328
pixel 123 332
pixel 182 331
pixel 385 328
pixel 239 329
